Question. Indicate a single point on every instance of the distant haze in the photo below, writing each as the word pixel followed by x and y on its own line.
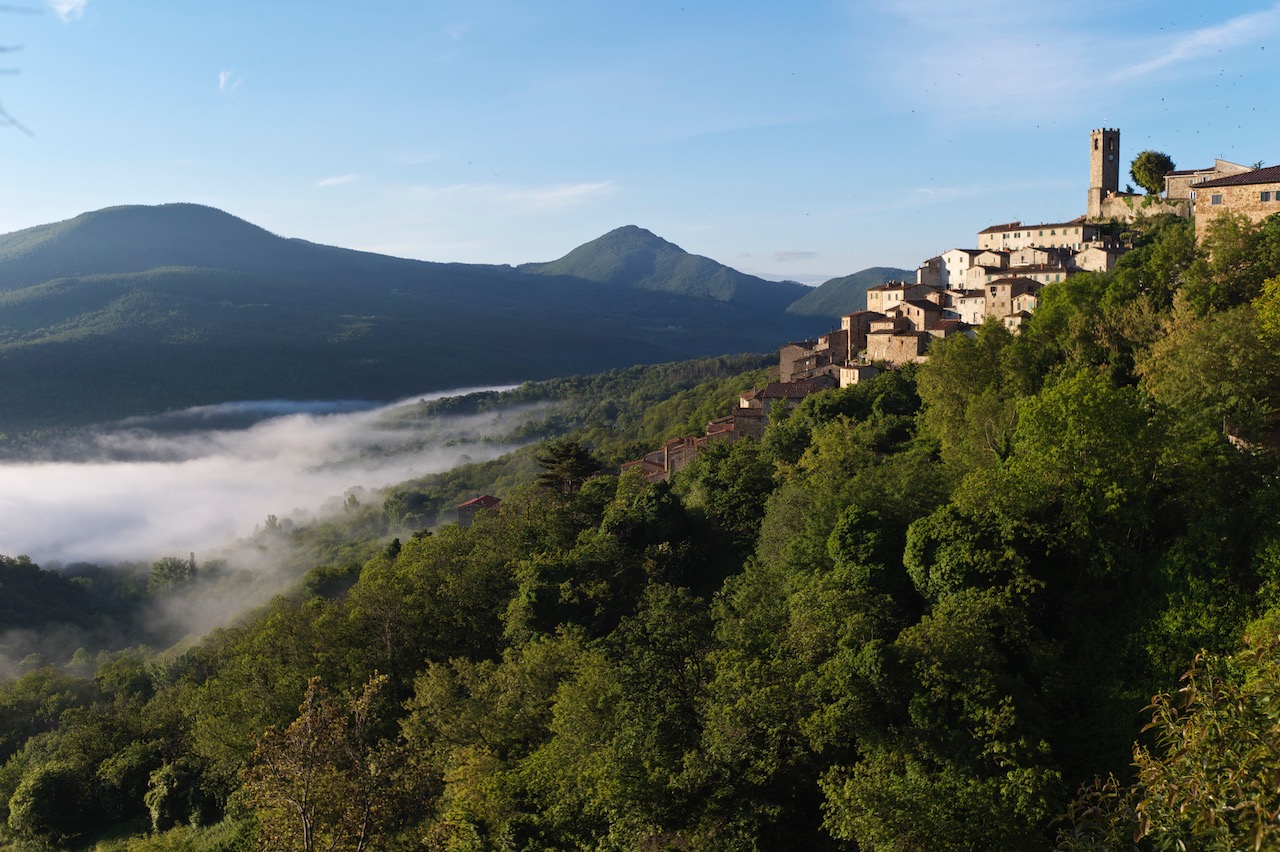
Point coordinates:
pixel 199 479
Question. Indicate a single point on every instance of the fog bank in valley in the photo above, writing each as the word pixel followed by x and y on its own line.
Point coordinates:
pixel 198 480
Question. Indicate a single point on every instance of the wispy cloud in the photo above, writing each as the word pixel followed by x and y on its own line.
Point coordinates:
pixel 68 10
pixel 1180 49
pixel 556 197
pixel 338 180
pixel 789 256
pixel 977 58
pixel 229 81
pixel 997 60
pixel 457 31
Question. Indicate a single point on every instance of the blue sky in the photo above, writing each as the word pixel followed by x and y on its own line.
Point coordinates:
pixel 804 141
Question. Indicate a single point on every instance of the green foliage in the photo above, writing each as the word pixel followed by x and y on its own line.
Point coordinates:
pixel 1237 257
pixel 1211 781
pixel 915 616
pixel 566 465
pixel 170 574
pixel 1213 369
pixel 327 781
pixel 1148 170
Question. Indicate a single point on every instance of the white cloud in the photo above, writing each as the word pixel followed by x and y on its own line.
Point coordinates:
pixel 788 256
pixel 457 31
pixel 228 81
pixel 338 180
pixel 68 10
pixel 997 60
pixel 978 58
pixel 1207 41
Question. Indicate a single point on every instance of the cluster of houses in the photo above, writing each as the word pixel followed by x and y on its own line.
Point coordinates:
pixel 962 288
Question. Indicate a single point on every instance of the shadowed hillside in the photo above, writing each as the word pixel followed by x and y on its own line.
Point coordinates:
pixel 132 310
pixel 841 296
pixel 633 257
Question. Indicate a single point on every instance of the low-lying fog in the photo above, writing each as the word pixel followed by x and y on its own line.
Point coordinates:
pixel 199 479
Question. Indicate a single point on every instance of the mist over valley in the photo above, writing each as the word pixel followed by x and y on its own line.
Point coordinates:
pixel 201 479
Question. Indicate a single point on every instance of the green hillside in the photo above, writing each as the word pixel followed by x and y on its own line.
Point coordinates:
pixel 1023 596
pixel 633 257
pixel 141 309
pixel 841 296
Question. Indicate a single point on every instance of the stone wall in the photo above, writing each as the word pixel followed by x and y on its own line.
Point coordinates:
pixel 1125 207
pixel 1245 199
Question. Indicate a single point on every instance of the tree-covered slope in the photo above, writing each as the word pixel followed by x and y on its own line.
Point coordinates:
pixel 948 608
pixel 633 257
pixel 839 296
pixel 140 309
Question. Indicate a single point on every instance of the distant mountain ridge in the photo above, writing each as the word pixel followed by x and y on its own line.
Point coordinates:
pixel 135 310
pixel 139 238
pixel 839 296
pixel 634 257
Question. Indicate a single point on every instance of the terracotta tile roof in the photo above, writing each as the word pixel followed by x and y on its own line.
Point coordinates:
pixel 1035 267
pixel 1007 226
pixel 484 501
pixel 1018 226
pixel 922 304
pixel 1012 281
pixel 1271 174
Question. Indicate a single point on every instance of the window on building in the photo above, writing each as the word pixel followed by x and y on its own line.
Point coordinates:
pixel 1216 198
pixel 1265 196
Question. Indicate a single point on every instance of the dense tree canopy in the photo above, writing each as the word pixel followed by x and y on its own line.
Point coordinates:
pixel 1148 170
pixel 1023 596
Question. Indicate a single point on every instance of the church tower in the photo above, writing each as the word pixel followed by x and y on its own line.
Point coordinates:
pixel 1104 167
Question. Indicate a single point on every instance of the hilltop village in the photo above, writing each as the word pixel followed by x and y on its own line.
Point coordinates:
pixel 1000 280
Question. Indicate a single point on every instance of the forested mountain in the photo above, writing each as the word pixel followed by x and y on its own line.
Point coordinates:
pixel 141 309
pixel 634 257
pixel 839 296
pixel 1024 596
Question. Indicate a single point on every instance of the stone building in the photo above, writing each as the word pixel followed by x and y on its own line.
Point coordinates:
pixel 852 374
pixel 1097 258
pixel 898 346
pixel 1104 169
pixel 1106 201
pixel 1002 293
pixel 1254 194
pixel 796 357
pixel 856 325
pixel 1182 184
pixel 948 269
pixel 1015 235
pixel 882 297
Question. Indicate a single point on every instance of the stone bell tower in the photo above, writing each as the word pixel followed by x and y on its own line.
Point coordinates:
pixel 1104 168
